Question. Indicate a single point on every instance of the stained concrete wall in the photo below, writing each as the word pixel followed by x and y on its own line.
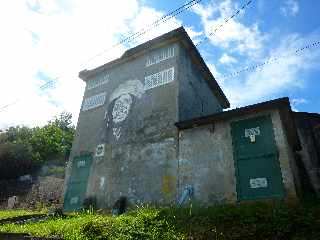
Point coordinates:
pixel 146 158
pixel 206 163
pixel 140 157
pixel 206 160
pixel 195 97
pixel 308 159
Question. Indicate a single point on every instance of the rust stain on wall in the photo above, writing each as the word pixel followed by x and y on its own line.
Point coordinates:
pixel 168 185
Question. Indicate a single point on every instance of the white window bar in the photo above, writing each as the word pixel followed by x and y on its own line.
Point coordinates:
pixel 94 101
pixel 160 56
pixel 98 81
pixel 159 78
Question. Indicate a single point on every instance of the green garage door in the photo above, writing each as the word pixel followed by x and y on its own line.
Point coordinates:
pixel 77 185
pixel 256 159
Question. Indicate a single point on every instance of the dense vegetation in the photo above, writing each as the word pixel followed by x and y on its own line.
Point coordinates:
pixel 272 221
pixel 23 150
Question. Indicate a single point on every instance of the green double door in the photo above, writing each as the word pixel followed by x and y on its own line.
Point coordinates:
pixel 78 181
pixel 256 159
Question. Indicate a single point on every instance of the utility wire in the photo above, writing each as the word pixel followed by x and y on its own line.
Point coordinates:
pixel 130 38
pixel 225 21
pixel 163 19
pixel 43 87
pixel 270 61
pixel 9 105
pixel 149 27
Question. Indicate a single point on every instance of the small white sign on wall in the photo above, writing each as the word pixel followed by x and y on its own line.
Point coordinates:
pixel 258 183
pixel 252 133
pixel 100 150
pixel 81 163
pixel 74 200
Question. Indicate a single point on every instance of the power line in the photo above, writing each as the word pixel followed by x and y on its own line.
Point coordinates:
pixel 143 31
pixel 225 21
pixel 43 87
pixel 130 38
pixel 168 16
pixel 8 105
pixel 270 61
pixel 149 27
pixel 49 84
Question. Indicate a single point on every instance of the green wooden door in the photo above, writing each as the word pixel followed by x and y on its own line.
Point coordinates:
pixel 77 185
pixel 256 159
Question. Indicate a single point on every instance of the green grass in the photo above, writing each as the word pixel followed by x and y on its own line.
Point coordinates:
pixel 16 213
pixel 141 224
pixel 267 221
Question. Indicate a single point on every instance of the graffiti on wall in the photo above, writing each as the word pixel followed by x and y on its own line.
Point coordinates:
pixel 125 97
pixel 121 102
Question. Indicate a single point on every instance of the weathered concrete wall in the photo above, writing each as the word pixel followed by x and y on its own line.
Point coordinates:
pixel 195 97
pixel 206 163
pixel 308 159
pixel 145 158
pixel 206 160
pixel 136 125
pixel 286 156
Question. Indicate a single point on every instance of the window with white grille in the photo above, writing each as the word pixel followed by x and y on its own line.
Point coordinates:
pixel 94 101
pixel 159 78
pixel 97 81
pixel 160 56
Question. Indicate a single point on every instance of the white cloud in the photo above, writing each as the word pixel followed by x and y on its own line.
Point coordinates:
pixel 233 35
pixel 147 15
pixel 193 34
pixel 217 75
pixel 247 40
pixel 299 101
pixel 57 38
pixel 274 79
pixel 290 8
pixel 296 102
pixel 226 59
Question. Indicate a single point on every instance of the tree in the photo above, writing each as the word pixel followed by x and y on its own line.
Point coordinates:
pixel 27 148
pixel 55 138
pixel 17 159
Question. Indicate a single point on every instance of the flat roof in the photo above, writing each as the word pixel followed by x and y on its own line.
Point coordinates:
pixel 282 104
pixel 176 35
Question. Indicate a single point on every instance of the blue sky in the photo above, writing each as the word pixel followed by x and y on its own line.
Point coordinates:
pixel 54 39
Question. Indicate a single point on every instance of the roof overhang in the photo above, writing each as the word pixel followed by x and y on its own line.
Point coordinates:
pixel 282 104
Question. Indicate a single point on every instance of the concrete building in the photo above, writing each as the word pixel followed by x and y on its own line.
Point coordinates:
pixel 152 129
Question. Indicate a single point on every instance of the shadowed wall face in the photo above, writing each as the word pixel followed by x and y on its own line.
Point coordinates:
pixel 196 99
pixel 308 159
